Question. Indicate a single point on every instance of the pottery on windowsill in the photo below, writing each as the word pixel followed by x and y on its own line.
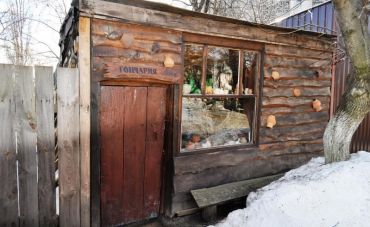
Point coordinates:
pixel 186 89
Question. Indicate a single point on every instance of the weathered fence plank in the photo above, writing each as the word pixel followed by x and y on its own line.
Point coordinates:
pixel 68 142
pixel 84 67
pixel 44 85
pixel 26 146
pixel 8 172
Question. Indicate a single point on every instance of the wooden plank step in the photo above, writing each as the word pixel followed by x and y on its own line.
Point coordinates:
pixel 215 195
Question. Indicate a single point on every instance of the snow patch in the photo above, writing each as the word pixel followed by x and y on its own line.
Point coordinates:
pixel 314 194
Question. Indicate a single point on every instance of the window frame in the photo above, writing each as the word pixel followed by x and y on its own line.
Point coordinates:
pixel 241 46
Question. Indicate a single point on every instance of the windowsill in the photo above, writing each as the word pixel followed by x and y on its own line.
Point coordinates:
pixel 219 149
pixel 217 96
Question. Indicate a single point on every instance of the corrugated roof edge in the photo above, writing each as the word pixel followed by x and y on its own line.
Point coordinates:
pixel 304 10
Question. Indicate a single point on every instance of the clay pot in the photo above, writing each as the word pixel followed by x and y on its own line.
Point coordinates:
pixel 243 140
pixel 209 90
pixel 195 138
pixel 190 146
pixel 296 92
pixel 218 91
pixel 186 89
pixel 275 75
pixel 246 91
pixel 271 121
pixel 206 144
pixel 169 62
pixel 316 105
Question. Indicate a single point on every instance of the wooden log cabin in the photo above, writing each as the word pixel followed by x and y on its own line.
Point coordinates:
pixel 173 101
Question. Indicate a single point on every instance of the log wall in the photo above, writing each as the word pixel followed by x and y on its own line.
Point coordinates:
pixel 304 64
pixel 116 43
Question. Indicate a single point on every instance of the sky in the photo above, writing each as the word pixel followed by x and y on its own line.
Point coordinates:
pixel 45 39
pixel 44 32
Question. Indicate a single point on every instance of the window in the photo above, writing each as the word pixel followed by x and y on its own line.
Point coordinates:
pixel 218 97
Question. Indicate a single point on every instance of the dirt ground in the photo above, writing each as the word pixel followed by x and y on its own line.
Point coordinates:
pixel 194 220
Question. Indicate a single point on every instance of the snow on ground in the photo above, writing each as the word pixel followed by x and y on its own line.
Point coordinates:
pixel 314 194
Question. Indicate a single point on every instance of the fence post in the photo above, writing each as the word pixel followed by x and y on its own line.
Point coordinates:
pixel 44 84
pixel 26 146
pixel 8 172
pixel 84 67
pixel 68 143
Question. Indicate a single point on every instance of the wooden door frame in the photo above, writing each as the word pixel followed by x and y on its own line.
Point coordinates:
pixel 170 144
pixel 167 157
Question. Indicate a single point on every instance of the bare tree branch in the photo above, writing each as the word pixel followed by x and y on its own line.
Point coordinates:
pixel 182 2
pixel 260 11
pixel 16 21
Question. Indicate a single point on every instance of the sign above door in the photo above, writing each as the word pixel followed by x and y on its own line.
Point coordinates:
pixel 143 72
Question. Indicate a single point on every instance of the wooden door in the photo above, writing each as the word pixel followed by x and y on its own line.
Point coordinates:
pixel 132 131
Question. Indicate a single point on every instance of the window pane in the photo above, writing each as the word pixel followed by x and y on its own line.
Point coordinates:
pixel 193 69
pixel 250 70
pixel 215 122
pixel 222 71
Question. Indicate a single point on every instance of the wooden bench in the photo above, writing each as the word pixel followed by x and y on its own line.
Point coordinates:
pixel 209 198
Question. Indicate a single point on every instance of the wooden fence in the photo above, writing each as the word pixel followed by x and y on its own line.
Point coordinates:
pixel 28 161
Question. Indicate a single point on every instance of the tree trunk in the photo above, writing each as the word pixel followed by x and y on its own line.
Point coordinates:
pixel 354 106
pixel 355 103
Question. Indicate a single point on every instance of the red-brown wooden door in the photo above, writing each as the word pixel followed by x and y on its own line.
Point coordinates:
pixel 132 121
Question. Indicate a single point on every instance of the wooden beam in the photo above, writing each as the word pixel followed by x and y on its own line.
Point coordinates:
pixel 294 62
pixel 204 69
pixel 291 101
pixel 198 163
pixel 308 73
pixel 258 85
pixel 333 87
pixel 288 92
pixel 223 42
pixel 241 74
pixel 262 165
pixel 216 26
pixel 206 197
pixel 298 52
pixel 84 68
pixel 293 83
